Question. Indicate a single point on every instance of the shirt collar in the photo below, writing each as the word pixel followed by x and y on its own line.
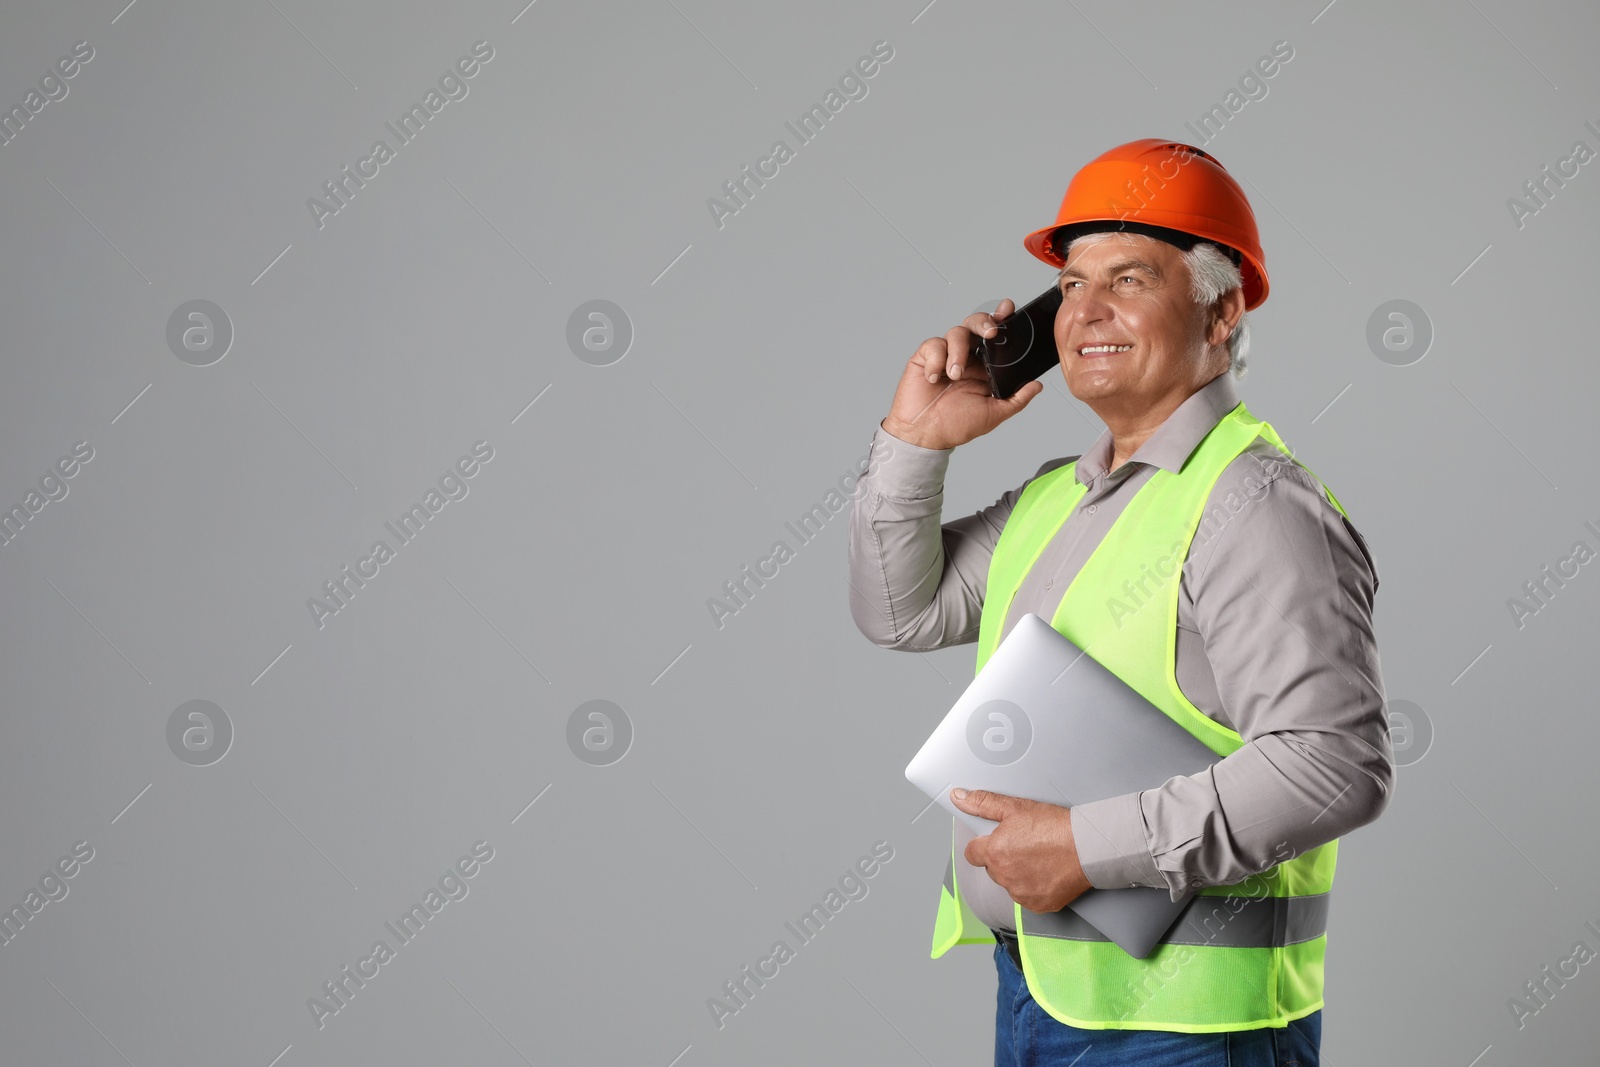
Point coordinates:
pixel 1172 442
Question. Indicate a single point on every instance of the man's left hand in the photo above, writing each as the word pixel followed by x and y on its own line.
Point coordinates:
pixel 1031 854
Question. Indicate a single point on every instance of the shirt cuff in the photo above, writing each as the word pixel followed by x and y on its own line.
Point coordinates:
pixel 1112 849
pixel 905 471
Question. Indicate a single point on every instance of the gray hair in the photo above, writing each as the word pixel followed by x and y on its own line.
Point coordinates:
pixel 1211 276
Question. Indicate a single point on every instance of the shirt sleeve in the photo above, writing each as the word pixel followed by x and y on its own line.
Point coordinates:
pixel 1282 596
pixel 917 585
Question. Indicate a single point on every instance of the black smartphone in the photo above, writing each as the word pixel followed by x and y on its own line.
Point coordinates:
pixel 1024 346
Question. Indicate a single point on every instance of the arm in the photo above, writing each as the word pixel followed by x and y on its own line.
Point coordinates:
pixel 916 585
pixel 1282 598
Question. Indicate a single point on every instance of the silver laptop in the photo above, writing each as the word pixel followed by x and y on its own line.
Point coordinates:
pixel 1045 721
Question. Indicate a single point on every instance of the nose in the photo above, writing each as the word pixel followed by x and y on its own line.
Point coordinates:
pixel 1084 310
pixel 1090 305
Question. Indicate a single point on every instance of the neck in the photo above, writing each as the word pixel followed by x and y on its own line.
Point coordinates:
pixel 1130 429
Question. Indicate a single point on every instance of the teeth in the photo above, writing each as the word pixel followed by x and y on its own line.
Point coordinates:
pixel 1106 348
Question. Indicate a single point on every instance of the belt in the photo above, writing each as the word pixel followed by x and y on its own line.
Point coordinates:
pixel 1216 921
pixel 1213 921
pixel 1008 938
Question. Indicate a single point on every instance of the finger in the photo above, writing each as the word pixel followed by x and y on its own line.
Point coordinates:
pixel 985 804
pixel 930 358
pixel 980 324
pixel 958 345
pixel 983 322
pixel 977 851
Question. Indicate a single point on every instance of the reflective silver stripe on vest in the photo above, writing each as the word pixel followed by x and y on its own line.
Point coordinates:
pixel 1224 922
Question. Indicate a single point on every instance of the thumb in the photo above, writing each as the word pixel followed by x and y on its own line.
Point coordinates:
pixel 1019 400
pixel 983 803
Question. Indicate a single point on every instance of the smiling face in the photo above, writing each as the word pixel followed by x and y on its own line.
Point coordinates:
pixel 1133 293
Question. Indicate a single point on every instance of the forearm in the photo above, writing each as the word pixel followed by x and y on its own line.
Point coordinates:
pixel 1272 800
pixel 913 584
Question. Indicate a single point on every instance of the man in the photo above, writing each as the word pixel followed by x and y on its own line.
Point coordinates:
pixel 1233 593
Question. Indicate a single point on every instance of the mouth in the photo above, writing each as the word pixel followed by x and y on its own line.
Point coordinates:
pixel 1092 351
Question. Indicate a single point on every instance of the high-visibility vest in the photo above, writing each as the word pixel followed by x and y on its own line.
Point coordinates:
pixel 1240 956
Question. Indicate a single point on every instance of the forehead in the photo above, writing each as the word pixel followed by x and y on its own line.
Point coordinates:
pixel 1121 248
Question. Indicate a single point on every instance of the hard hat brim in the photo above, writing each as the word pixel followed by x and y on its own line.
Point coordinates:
pixel 1043 242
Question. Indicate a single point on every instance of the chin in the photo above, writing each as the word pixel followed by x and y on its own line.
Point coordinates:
pixel 1093 382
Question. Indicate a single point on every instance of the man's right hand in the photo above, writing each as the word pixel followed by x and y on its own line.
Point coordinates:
pixel 943 399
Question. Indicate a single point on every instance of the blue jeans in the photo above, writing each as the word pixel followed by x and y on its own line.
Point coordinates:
pixel 1026 1036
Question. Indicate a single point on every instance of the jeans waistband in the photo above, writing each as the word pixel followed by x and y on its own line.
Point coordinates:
pixel 1008 938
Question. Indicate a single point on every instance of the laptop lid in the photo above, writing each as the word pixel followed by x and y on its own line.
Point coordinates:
pixel 1046 721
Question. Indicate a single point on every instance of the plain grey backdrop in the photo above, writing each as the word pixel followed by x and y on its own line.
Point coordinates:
pixel 242 451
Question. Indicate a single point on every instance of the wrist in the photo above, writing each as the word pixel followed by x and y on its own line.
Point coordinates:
pixel 903 432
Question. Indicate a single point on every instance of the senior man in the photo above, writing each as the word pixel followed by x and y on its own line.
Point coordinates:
pixel 1193 554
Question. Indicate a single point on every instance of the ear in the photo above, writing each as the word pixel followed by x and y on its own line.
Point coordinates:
pixel 1225 315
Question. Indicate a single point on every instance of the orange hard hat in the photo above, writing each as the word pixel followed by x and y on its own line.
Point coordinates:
pixel 1164 189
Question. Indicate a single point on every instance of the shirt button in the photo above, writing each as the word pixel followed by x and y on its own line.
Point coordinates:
pixel 1093 508
pixel 1195 882
pixel 1049 582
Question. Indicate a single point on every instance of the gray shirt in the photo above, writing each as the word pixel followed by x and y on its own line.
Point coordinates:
pixel 1274 641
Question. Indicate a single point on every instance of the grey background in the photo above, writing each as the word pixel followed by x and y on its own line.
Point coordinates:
pixel 370 754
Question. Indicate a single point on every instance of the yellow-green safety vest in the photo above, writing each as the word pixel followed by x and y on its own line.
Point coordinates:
pixel 1241 956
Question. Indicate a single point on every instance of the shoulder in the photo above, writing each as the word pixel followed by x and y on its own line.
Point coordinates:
pixel 1013 496
pixel 1268 506
pixel 1254 472
pixel 1051 464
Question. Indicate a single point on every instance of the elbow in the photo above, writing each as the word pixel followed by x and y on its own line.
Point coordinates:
pixel 1368 796
pixel 877 627
pixel 1377 781
pixel 1381 788
pixel 872 620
